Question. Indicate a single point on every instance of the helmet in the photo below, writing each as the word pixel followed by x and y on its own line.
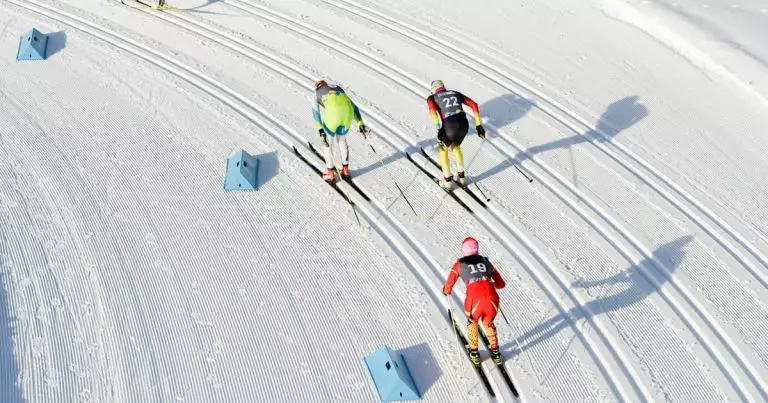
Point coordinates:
pixel 469 246
pixel 320 83
pixel 437 86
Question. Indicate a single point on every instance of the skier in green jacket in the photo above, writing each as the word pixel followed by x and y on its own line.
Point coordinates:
pixel 333 113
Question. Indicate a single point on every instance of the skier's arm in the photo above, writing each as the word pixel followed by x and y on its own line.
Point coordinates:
pixel 358 116
pixel 498 282
pixel 433 111
pixel 318 118
pixel 475 109
pixel 452 278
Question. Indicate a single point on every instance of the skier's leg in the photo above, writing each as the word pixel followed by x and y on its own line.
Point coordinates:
pixel 471 306
pixel 327 151
pixel 343 148
pixel 445 162
pixel 459 155
pixel 472 334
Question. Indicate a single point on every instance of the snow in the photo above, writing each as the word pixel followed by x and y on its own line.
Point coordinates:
pixel 635 261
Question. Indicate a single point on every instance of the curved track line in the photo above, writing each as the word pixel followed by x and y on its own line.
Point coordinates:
pixel 729 345
pixel 226 40
pixel 168 64
pixel 606 337
pixel 483 67
pixel 708 344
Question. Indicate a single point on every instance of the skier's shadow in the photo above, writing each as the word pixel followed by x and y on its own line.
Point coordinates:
pixel 619 116
pixel 505 109
pixel 616 292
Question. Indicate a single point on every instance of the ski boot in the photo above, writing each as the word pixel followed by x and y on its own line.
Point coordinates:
pixel 461 180
pixel 328 176
pixel 447 183
pixel 345 172
pixel 474 356
pixel 496 356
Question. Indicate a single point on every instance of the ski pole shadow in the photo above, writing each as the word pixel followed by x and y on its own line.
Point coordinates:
pixel 618 117
pixel 422 366
pixel 9 370
pixel 621 290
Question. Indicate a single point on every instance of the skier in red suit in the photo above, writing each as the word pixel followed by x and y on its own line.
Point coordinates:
pixel 482 302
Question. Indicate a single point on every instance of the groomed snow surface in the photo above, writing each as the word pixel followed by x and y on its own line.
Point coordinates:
pixel 636 260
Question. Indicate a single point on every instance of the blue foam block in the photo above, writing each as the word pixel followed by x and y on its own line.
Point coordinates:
pixel 32 46
pixel 391 376
pixel 242 171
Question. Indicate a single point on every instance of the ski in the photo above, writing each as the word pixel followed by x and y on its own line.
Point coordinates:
pixel 465 345
pixel 466 188
pixel 437 181
pixel 151 7
pixel 333 185
pixel 501 367
pixel 349 181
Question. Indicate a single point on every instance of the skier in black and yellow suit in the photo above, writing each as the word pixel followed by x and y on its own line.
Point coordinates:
pixel 445 107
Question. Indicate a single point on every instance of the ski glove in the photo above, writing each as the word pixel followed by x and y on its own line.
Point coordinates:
pixel 323 136
pixel 441 133
pixel 364 131
pixel 480 131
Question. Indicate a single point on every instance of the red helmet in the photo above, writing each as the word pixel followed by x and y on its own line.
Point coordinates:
pixel 470 246
pixel 320 83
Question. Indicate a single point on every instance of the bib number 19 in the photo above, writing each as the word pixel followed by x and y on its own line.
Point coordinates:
pixel 480 268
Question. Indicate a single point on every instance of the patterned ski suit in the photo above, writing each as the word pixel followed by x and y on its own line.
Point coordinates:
pixel 482 302
pixel 334 112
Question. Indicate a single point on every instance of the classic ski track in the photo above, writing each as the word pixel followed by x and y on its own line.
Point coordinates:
pixel 676 306
pixel 571 121
pixel 714 326
pixel 485 222
pixel 420 248
pixel 165 63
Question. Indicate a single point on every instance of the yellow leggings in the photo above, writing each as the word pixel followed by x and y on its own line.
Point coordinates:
pixel 446 163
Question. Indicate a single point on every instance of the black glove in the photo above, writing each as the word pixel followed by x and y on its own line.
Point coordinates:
pixel 323 136
pixel 480 131
pixel 441 134
pixel 364 130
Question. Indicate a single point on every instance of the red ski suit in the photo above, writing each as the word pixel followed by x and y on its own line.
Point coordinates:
pixel 482 301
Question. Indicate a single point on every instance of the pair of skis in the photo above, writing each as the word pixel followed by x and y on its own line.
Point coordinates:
pixel 458 330
pixel 437 180
pixel 478 367
pixel 149 6
pixel 334 184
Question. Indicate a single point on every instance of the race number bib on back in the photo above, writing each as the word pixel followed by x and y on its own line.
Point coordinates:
pixel 449 102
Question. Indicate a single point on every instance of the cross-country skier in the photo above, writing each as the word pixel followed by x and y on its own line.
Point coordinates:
pixel 333 113
pixel 445 107
pixel 482 302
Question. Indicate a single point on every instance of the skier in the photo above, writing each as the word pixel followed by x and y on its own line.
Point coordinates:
pixel 447 113
pixel 482 302
pixel 335 121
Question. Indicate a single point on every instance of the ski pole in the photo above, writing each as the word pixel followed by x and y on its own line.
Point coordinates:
pixel 519 346
pixel 386 168
pixel 521 171
pixel 335 168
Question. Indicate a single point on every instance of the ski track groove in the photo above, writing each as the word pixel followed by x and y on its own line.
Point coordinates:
pixel 581 213
pixel 727 245
pixel 381 208
pixel 419 247
pixel 67 19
